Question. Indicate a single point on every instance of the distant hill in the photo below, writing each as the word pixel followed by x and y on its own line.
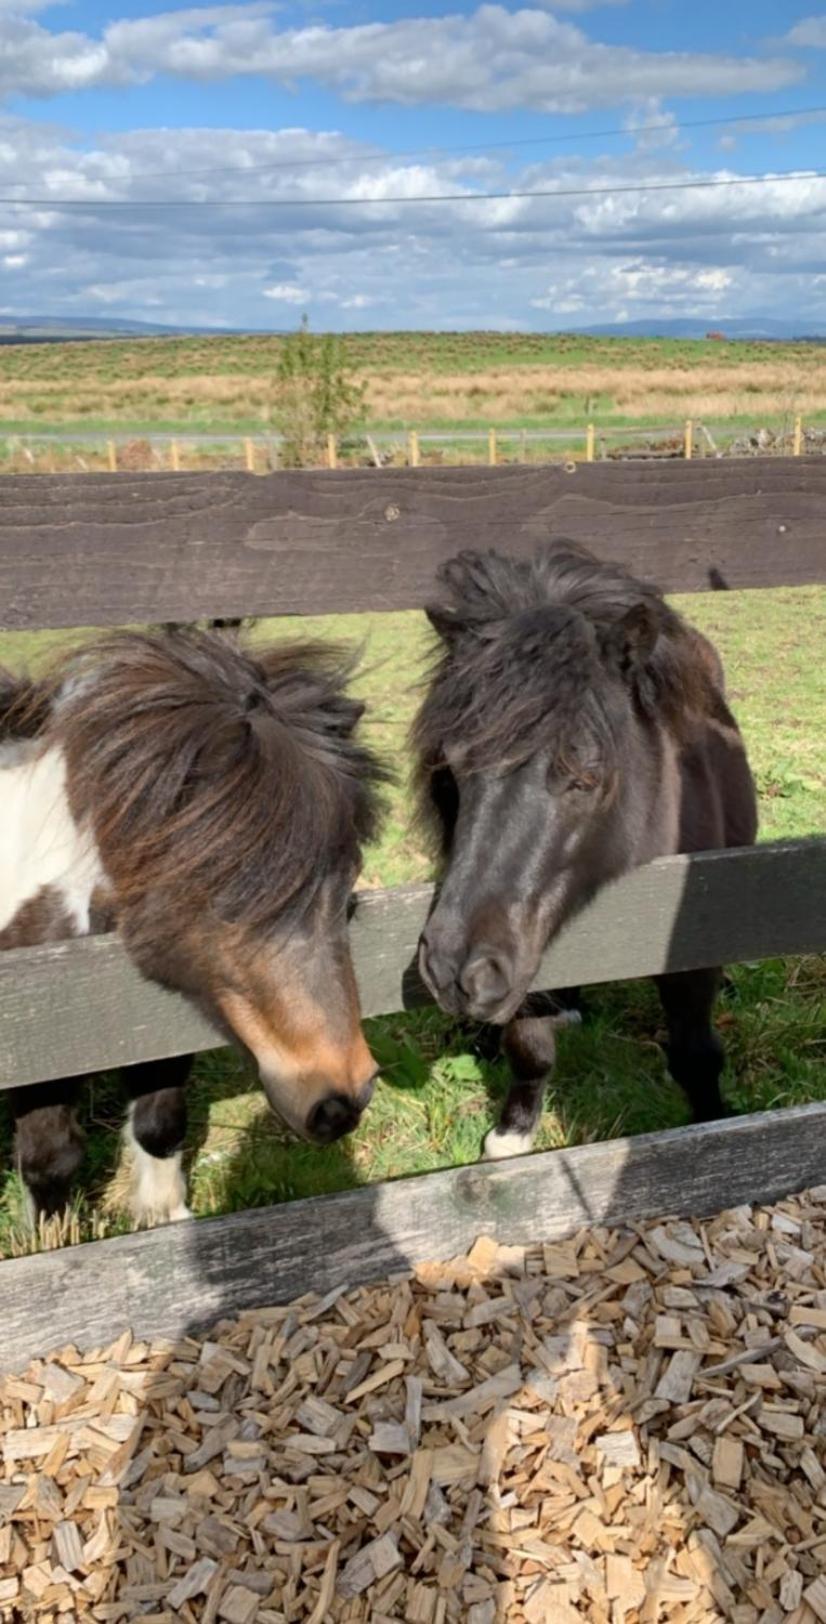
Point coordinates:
pixel 46 329
pixel 699 327
pixel 63 329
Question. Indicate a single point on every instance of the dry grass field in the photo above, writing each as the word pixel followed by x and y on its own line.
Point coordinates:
pixel 416 380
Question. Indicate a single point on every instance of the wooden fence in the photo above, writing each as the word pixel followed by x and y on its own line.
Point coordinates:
pixel 96 551
pixel 261 452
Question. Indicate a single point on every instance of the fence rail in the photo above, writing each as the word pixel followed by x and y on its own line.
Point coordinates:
pixel 679 913
pixel 91 550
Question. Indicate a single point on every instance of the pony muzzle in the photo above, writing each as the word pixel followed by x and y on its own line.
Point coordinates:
pixel 476 981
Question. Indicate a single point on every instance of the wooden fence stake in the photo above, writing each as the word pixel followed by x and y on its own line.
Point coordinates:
pixel 689 439
pixel 492 447
pixel 414 448
pixel 589 443
pixel 332 458
pixel 175 457
pixel 249 456
pixel 112 456
pixel 797 445
pixel 523 447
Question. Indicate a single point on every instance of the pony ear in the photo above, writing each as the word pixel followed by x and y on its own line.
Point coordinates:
pixel 630 642
pixel 445 622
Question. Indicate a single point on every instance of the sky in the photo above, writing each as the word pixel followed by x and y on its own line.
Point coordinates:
pixel 237 165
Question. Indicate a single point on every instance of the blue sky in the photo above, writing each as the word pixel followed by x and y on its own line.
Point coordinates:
pixel 156 106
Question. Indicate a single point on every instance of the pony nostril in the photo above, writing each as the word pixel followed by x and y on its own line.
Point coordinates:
pixel 437 970
pixel 486 979
pixel 333 1117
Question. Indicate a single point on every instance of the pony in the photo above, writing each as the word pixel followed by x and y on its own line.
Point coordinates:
pixel 573 727
pixel 210 802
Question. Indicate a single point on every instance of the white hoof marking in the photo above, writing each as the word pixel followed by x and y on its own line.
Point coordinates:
pixel 158 1194
pixel 499 1145
pixel 568 1017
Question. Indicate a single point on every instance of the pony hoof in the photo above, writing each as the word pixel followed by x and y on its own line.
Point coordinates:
pixel 499 1145
pixel 568 1017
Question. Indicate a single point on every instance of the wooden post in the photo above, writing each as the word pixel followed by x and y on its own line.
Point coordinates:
pixel 701 441
pixel 689 439
pixel 589 443
pixel 249 456
pixel 797 445
pixel 413 442
pixel 332 458
pixel 175 457
pixel 112 456
pixel 523 447
pixel 492 447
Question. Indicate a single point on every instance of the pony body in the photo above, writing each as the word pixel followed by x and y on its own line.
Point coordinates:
pixel 574 727
pixel 211 803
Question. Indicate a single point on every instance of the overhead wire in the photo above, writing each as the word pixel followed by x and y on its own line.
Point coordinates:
pixel 415 200
pixel 436 151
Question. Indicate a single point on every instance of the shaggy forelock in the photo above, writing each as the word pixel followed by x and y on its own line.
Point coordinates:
pixel 521 663
pixel 224 776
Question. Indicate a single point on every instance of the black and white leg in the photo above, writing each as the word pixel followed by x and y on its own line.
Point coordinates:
pixel 155 1133
pixel 694 1051
pixel 48 1143
pixel 530 1045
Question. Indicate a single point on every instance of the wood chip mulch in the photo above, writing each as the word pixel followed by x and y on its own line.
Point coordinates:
pixel 627 1427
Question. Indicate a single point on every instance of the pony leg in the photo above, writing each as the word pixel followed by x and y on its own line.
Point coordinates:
pixel 530 1046
pixel 48 1143
pixel 694 1052
pixel 155 1132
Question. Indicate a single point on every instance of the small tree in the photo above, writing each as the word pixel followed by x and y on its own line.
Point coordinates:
pixel 316 394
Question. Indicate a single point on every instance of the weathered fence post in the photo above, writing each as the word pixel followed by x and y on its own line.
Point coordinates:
pixel 332 457
pixel 589 443
pixel 797 443
pixel 689 439
pixel 112 456
pixel 413 445
pixel 249 456
pixel 492 447
pixel 175 457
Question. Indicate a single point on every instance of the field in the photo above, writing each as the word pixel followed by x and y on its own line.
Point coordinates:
pixel 437 1099
pixel 440 381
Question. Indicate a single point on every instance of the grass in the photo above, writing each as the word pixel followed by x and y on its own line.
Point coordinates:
pixel 415 380
pixel 438 1099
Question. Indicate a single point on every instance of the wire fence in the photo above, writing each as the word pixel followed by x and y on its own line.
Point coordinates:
pixel 91 451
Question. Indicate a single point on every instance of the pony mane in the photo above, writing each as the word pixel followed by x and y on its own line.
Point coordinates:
pixel 227 777
pixel 526 661
pixel 24 707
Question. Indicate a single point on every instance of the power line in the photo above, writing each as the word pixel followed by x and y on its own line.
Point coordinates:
pixel 482 146
pixel 93 204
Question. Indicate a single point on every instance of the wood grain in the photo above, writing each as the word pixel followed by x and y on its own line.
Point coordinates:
pixel 72 1008
pixel 112 549
pixel 182 1279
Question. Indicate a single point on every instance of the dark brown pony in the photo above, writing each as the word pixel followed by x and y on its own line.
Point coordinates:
pixel 574 727
pixel 211 803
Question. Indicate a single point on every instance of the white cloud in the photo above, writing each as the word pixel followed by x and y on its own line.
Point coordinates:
pixel 654 126
pixel 809 31
pixel 287 293
pixel 503 264
pixel 491 60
